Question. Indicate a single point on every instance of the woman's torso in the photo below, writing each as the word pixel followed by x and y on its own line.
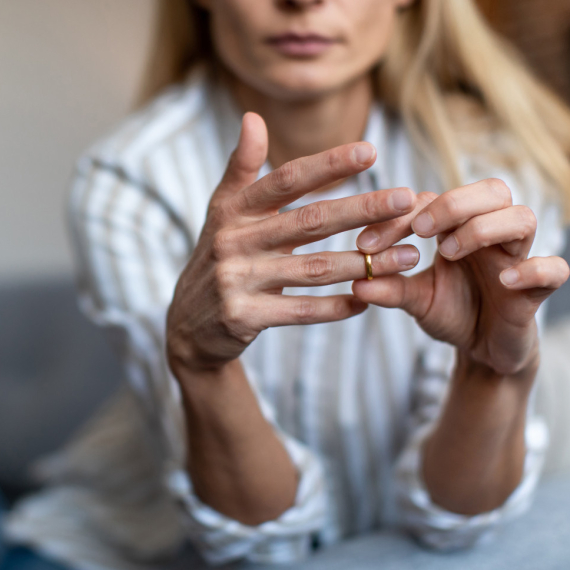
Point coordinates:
pixel 347 390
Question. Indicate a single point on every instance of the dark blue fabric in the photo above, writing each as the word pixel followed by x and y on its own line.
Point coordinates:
pixel 20 558
pixel 25 559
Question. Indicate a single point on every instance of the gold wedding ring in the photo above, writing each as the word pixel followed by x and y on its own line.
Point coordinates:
pixel 368 261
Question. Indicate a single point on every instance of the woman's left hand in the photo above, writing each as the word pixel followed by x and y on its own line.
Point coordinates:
pixel 482 292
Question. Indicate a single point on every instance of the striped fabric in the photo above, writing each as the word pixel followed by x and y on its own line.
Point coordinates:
pixel 352 400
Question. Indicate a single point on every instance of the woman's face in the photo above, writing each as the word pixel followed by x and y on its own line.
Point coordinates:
pixel 300 49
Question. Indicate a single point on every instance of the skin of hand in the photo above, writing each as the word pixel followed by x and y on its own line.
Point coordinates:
pixel 480 294
pixel 231 290
pixel 233 283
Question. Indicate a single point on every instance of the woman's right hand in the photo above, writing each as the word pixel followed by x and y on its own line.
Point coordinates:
pixel 231 288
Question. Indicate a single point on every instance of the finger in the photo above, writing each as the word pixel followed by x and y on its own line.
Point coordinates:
pixel 282 310
pixel 298 177
pixel 398 291
pixel 377 237
pixel 247 158
pixel 328 267
pixel 455 207
pixel 319 220
pixel 514 228
pixel 544 274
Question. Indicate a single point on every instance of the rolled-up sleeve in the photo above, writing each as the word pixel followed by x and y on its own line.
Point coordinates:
pixel 286 539
pixel 434 526
pixel 131 245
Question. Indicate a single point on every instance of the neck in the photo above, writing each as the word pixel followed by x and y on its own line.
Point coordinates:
pixel 303 128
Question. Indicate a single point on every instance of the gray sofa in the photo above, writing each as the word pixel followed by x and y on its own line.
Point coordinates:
pixel 56 369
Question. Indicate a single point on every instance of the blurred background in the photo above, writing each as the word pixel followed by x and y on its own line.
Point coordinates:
pixel 69 72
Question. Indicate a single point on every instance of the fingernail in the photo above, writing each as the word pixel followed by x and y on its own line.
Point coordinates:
pixel 509 277
pixel 400 200
pixel 449 246
pixel 367 240
pixel 407 257
pixel 423 224
pixel 364 153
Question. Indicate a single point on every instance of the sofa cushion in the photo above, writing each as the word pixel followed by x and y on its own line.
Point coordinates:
pixel 55 370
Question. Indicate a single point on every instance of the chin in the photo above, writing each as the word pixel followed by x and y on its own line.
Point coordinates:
pixel 299 81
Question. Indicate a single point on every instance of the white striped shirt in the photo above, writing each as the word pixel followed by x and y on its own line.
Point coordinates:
pixel 351 400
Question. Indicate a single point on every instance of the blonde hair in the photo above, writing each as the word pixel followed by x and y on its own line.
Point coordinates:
pixel 446 73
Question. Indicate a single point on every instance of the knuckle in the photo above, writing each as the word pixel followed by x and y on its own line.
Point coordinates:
pixel 311 219
pixel 389 259
pixel 450 205
pixel 221 245
pixel 285 175
pixel 500 189
pixel 231 311
pixel 528 219
pixel 335 161
pixel 225 275
pixel 306 310
pixel 479 232
pixel 370 206
pixel 339 309
pixel 234 318
pixel 318 267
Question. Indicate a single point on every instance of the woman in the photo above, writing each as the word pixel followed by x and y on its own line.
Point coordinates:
pixel 387 398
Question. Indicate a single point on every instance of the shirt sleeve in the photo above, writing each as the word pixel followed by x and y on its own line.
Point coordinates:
pixel 432 525
pixel 131 243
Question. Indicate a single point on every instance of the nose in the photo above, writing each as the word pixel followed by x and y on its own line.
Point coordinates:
pixel 300 4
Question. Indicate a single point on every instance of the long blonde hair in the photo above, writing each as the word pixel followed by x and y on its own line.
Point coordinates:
pixel 444 65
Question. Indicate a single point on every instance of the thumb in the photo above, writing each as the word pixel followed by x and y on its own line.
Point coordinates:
pixel 412 294
pixel 248 157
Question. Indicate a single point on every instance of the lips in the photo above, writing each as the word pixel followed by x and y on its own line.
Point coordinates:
pixel 301 45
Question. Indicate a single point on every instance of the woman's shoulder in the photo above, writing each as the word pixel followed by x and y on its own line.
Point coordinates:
pixel 174 111
pixel 163 159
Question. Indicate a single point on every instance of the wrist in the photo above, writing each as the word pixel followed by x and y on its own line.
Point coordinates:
pixel 185 358
pixel 190 372
pixel 468 368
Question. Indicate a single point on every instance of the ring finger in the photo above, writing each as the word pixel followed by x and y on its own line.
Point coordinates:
pixel 327 267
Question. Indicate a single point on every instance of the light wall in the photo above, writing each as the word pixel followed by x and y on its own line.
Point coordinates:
pixel 69 71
